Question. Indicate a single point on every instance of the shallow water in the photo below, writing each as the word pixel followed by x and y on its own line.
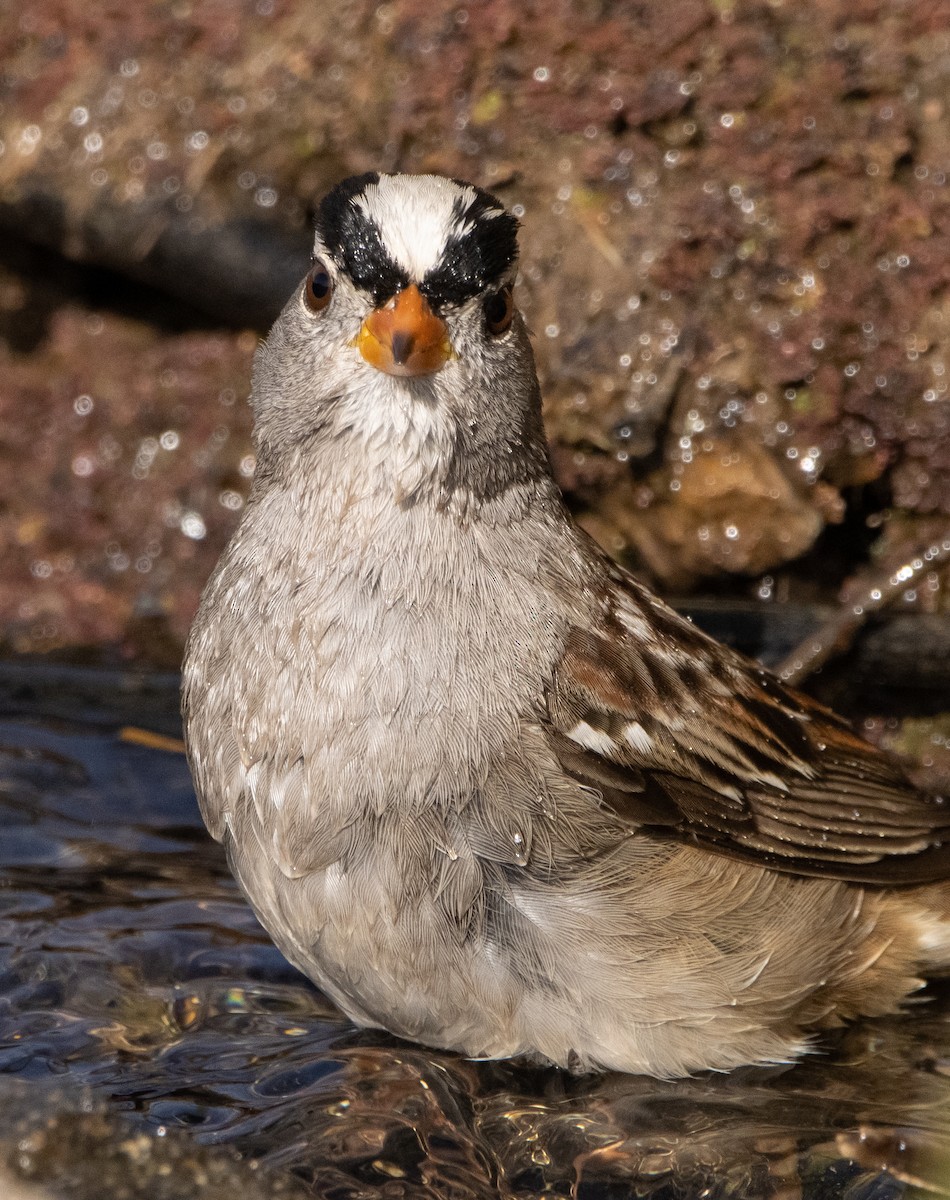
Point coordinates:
pixel 142 1006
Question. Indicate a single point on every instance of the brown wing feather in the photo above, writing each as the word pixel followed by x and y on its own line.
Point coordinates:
pixel 685 738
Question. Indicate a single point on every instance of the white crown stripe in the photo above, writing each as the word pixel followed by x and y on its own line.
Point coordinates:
pixel 417 217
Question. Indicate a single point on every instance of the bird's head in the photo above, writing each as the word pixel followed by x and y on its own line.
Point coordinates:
pixel 403 341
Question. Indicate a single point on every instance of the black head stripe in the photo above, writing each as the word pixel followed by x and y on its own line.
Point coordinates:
pixel 354 240
pixel 476 258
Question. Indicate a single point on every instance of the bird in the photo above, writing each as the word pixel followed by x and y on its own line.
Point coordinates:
pixel 479 783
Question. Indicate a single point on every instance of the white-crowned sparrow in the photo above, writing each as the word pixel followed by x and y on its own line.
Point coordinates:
pixel 479 784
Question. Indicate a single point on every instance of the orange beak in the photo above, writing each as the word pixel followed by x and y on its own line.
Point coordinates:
pixel 405 337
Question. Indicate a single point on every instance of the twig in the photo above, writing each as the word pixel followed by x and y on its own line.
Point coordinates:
pixel 838 633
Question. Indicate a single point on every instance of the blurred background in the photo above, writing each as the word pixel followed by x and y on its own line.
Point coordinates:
pixel 736 267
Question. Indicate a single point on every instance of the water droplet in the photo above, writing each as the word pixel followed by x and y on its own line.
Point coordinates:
pixel 192 525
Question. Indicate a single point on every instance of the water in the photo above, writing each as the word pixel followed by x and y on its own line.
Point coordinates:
pixel 153 1043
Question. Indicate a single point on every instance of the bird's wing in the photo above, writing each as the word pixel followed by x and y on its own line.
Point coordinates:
pixel 687 739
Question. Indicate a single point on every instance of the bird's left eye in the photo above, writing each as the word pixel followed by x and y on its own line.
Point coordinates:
pixel 499 309
pixel 318 290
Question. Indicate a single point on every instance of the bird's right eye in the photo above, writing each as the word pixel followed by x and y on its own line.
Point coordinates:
pixel 318 290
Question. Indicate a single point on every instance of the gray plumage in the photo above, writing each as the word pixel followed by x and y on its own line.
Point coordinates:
pixel 481 786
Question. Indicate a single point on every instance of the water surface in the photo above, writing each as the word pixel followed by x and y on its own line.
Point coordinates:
pixel 153 1043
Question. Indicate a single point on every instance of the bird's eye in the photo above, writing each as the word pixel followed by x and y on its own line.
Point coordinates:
pixel 499 309
pixel 318 290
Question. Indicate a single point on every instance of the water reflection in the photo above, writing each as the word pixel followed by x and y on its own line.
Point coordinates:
pixel 133 976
